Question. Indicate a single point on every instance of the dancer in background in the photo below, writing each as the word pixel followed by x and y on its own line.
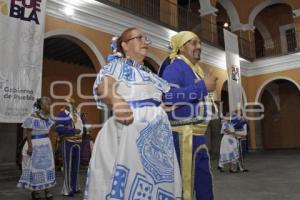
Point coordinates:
pixel 38 170
pixel 229 152
pixel 70 128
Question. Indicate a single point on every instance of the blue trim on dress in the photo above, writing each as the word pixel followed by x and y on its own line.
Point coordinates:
pixel 143 103
pixel 40 136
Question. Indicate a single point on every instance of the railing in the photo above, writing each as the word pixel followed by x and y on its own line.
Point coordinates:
pixel 169 15
pixel 145 8
pixel 267 47
pixel 179 18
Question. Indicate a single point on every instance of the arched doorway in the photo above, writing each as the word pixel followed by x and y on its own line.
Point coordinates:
pixel 80 53
pixel 69 69
pixel 281 100
pixel 70 64
pixel 67 57
pixel 275 33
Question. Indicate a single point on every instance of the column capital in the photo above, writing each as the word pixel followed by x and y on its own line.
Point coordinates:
pixel 296 13
pixel 208 10
pixel 243 27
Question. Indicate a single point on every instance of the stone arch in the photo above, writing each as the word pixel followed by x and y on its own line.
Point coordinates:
pixel 265 34
pixel 262 87
pixel 261 6
pixel 96 117
pixel 232 13
pixel 81 38
pixel 281 104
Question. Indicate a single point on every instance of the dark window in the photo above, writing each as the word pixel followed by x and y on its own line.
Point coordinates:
pixel 291 40
pixel 259 44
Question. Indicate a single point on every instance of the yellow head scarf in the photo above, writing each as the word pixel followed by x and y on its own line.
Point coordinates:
pixel 179 40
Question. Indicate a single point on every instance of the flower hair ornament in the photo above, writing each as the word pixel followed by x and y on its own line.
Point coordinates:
pixel 114 46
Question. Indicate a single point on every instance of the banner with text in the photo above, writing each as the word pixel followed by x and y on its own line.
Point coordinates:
pixel 21 56
pixel 233 71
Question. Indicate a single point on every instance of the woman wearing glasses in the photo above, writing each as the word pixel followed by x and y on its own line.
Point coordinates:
pixel 133 156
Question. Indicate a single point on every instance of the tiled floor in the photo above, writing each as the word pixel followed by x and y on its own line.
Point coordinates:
pixel 273 176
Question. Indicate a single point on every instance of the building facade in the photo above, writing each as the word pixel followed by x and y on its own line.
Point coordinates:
pixel 77 41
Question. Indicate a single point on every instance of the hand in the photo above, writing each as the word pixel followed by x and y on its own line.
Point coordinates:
pixel 77 131
pixel 168 108
pixel 123 112
pixel 29 150
pixel 210 81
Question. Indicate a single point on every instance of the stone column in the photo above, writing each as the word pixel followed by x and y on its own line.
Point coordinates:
pixel 297 26
pixel 252 133
pixel 168 12
pixel 208 29
pixel 246 41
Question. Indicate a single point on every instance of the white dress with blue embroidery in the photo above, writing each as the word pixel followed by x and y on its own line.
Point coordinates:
pixel 136 161
pixel 38 170
pixel 229 152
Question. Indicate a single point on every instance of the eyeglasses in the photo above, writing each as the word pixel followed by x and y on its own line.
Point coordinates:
pixel 140 38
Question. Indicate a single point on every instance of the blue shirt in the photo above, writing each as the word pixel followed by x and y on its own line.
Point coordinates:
pixel 190 90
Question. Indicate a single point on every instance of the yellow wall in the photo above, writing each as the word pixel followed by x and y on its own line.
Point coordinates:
pixel 100 39
pixel 59 71
pixel 254 83
pixel 102 42
pixel 53 70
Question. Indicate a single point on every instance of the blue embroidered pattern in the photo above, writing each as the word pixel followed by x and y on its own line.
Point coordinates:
pixel 119 183
pixel 110 68
pixel 164 195
pixel 26 175
pixel 130 72
pixel 48 123
pixel 41 157
pixel 144 76
pixel 141 189
pixel 127 73
pixel 38 178
pixel 50 175
pixel 37 123
pixel 156 149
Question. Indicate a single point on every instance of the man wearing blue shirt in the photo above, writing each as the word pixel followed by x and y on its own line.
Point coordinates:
pixel 189 117
pixel 70 128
